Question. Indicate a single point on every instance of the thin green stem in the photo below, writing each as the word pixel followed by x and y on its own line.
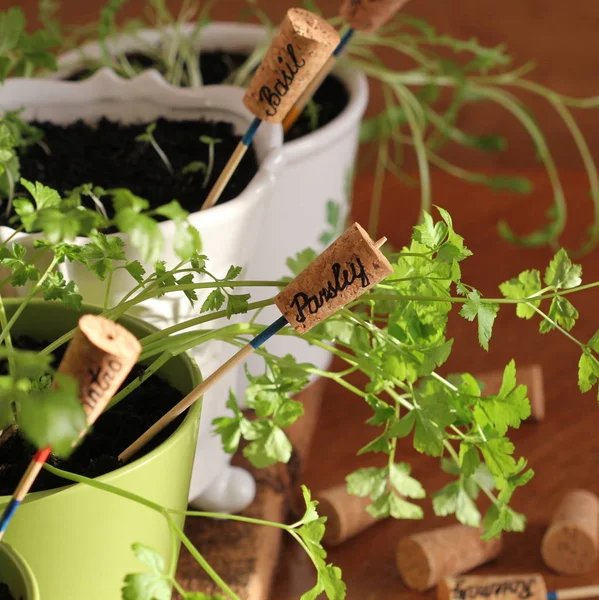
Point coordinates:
pixel 12 366
pixel 203 562
pixel 108 286
pixel 23 305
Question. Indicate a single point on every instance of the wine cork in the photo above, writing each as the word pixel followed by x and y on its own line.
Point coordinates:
pixel 531 376
pixel 493 587
pixel 369 15
pixel 346 514
pixel 570 544
pixel 296 55
pixel 424 559
pixel 100 356
pixel 345 270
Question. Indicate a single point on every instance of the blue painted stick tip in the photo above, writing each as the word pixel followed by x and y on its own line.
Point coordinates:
pixel 248 136
pixel 265 335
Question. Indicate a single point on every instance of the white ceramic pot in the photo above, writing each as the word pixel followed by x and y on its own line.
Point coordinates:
pixel 318 171
pixel 229 231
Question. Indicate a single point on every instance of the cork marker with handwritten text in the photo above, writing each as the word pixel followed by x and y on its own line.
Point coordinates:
pixel 295 56
pixel 99 357
pixel 360 15
pixel 508 587
pixel 348 268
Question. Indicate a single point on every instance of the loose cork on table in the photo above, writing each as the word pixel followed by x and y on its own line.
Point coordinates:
pixel 493 587
pixel 344 271
pixel 296 55
pixel 346 514
pixel 369 15
pixel 424 559
pixel 100 356
pixel 570 544
pixel 531 376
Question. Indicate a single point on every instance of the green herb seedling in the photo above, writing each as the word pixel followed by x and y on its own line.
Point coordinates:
pixel 210 142
pixel 148 136
pixel 195 166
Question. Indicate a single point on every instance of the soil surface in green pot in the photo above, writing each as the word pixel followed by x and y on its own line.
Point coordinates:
pixel 107 154
pixel 5 593
pixel 329 101
pixel 114 431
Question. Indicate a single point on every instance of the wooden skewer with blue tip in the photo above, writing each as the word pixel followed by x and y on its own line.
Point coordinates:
pixel 295 56
pixel 352 265
pixel 361 15
pixel 99 356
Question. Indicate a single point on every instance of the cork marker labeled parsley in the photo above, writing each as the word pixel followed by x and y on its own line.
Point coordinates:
pixel 348 268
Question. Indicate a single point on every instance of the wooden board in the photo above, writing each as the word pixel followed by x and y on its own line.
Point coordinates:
pixel 245 555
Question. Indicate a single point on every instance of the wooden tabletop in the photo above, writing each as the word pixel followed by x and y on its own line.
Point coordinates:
pixel 563 450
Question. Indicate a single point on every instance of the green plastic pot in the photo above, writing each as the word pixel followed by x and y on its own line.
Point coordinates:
pixel 76 539
pixel 16 574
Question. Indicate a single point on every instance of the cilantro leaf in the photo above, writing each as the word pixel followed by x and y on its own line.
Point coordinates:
pixel 237 304
pixel 454 499
pixel 527 284
pixel 146 586
pixel 399 476
pixel 588 371
pixel 561 273
pixel 508 408
pixel 53 417
pixel 370 481
pixel 485 312
pixel 562 312
pixel 301 260
pixel 214 301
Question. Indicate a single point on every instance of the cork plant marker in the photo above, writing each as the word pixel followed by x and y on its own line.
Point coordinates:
pixel 570 545
pixel 361 15
pixel 296 55
pixel 346 514
pixel 100 356
pixel 424 559
pixel 508 587
pixel 350 266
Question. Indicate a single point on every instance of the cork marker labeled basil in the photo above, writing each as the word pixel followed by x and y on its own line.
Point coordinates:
pixel 296 55
pixel 352 265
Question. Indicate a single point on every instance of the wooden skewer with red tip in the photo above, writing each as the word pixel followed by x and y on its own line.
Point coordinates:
pixel 99 356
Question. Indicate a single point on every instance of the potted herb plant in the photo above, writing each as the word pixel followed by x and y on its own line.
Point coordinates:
pixel 59 107
pixel 395 335
pixel 415 119
pixel 319 151
pixel 17 580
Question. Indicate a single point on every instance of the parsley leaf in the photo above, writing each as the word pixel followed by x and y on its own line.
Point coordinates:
pixel 527 284
pixel 485 312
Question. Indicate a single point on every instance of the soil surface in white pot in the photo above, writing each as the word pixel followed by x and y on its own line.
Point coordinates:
pixel 114 431
pixel 328 103
pixel 107 154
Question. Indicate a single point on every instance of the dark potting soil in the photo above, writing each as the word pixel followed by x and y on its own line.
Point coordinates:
pixel 107 155
pixel 331 98
pixel 5 592
pixel 114 431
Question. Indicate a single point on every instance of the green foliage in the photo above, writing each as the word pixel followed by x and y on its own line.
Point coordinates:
pixel 21 53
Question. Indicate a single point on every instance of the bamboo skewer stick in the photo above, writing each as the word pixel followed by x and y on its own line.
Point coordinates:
pixel 100 356
pixel 231 166
pixel 317 292
pixel 360 17
pixel 296 110
pixel 508 587
pixel 295 56
pixel 589 591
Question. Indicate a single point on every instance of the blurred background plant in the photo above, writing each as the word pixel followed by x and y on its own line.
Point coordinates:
pixel 428 80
